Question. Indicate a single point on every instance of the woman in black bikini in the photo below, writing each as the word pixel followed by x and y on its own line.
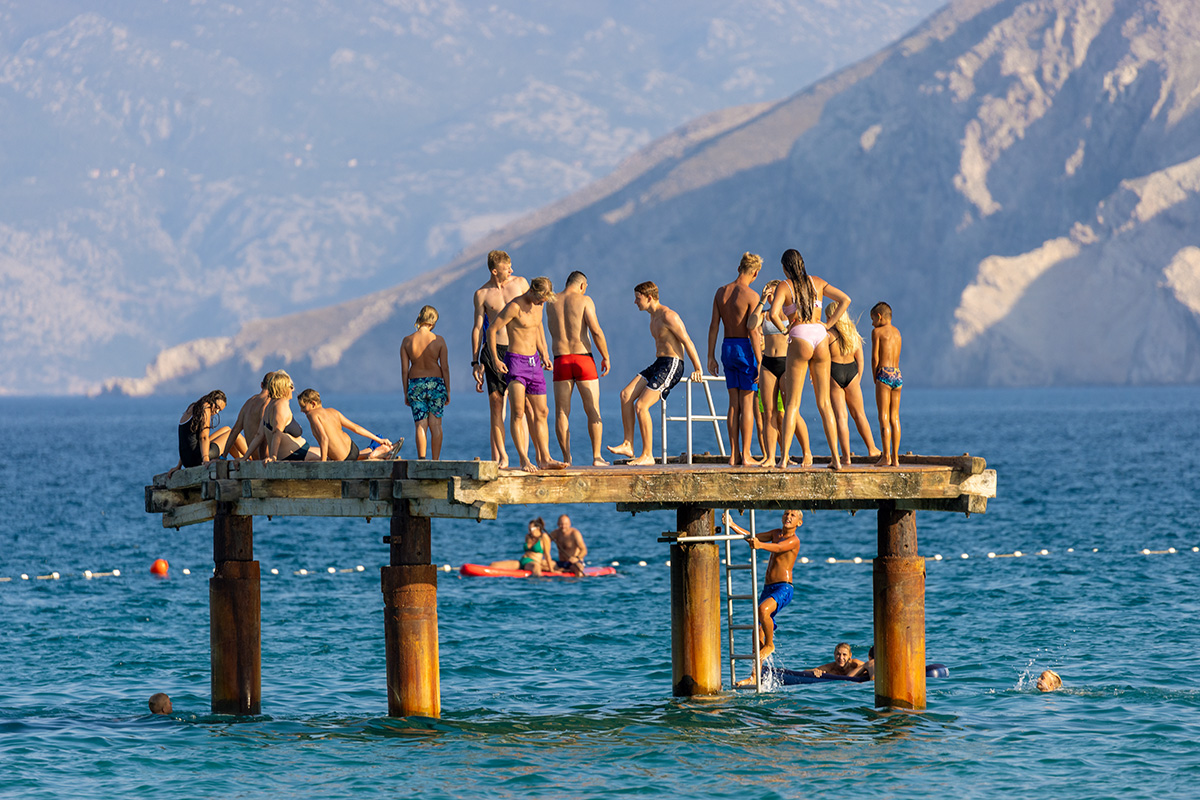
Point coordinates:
pixel 845 374
pixel 279 428
pixel 198 443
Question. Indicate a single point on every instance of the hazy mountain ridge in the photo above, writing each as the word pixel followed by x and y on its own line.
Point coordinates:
pixel 1018 179
pixel 181 168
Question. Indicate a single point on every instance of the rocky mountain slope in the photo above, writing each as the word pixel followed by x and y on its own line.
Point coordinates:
pixel 178 168
pixel 1018 178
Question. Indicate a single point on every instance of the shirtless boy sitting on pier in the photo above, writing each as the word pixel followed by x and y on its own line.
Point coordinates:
pixel 490 299
pixel 671 341
pixel 527 357
pixel 844 663
pixel 572 317
pixel 885 366
pixel 248 420
pixel 327 426
pixel 784 545
pixel 735 305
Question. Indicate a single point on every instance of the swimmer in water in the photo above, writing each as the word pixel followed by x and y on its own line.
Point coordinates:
pixel 844 663
pixel 1049 681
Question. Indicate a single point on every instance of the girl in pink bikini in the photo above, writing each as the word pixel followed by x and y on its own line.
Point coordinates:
pixel 796 308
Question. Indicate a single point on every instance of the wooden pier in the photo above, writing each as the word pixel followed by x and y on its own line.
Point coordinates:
pixel 411 493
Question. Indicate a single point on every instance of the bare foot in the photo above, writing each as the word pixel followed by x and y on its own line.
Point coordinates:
pixel 807 462
pixel 623 449
pixel 767 462
pixel 599 462
pixel 875 453
pixel 835 465
pixel 746 681
pixel 527 465
pixel 882 462
pixel 641 461
pixel 735 460
pixel 552 464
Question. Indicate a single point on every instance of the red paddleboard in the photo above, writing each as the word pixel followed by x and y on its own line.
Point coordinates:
pixel 481 571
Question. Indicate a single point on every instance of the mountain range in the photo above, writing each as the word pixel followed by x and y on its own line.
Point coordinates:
pixel 175 169
pixel 1018 178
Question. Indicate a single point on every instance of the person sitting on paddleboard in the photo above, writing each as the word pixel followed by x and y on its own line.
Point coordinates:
pixel 571 547
pixel 536 557
pixel 843 663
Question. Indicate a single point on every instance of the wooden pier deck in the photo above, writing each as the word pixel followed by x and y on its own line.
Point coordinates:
pixel 412 493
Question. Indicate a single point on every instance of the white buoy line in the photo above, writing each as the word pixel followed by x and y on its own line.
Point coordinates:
pixel 88 574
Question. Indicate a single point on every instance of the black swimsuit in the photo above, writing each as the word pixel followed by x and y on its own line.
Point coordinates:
pixel 842 374
pixel 189 446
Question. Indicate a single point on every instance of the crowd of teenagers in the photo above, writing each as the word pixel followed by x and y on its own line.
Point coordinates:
pixel 798 326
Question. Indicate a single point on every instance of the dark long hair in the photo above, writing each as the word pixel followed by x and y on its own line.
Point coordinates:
pixel 802 288
pixel 211 399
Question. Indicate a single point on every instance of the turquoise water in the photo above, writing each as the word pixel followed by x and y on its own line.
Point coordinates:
pixel 553 688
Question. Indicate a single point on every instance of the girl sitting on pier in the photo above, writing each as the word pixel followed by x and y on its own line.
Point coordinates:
pixel 198 443
pixel 536 557
pixel 797 307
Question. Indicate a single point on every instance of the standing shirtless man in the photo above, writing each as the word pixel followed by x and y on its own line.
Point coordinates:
pixel 572 316
pixel 527 357
pixel 248 420
pixel 671 341
pixel 736 306
pixel 490 298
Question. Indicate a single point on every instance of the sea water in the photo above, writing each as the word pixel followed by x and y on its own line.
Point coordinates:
pixel 553 687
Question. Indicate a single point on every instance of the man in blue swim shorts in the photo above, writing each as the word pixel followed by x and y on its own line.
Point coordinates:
pixel 783 545
pixel 736 306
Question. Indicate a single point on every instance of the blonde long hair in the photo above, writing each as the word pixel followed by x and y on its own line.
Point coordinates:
pixel 848 338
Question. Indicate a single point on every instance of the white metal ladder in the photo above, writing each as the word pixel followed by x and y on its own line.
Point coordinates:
pixel 689 417
pixel 731 627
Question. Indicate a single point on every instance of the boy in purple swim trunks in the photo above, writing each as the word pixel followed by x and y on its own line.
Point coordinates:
pixel 885 366
pixel 784 545
pixel 736 306
pixel 523 366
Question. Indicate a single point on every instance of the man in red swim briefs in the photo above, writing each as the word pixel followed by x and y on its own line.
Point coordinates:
pixel 572 318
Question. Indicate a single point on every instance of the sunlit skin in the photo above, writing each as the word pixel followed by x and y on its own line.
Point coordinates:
pixel 1049 681
pixel 843 663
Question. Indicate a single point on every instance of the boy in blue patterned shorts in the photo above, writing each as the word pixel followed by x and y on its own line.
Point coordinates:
pixel 783 545
pixel 425 371
pixel 885 366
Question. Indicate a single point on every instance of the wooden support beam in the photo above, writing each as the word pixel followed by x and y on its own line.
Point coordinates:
pixel 899 588
pixel 190 514
pixel 235 617
pixel 409 586
pixel 695 607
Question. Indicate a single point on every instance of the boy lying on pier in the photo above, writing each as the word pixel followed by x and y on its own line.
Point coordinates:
pixel 328 426
pixel 783 545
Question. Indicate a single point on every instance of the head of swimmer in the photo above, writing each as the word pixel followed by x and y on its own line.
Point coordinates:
pixel 793 518
pixel 1049 681
pixel 308 400
pixel 541 290
pixel 881 314
pixel 645 295
pixel 577 280
pixel 841 654
pixel 281 385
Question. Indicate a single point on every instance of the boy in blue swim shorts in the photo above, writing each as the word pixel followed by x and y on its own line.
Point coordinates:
pixel 784 545
pixel 425 372
pixel 736 305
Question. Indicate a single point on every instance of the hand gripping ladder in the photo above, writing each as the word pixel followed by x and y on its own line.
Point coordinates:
pixel 730 597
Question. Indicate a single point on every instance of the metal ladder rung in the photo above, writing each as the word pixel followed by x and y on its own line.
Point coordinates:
pixel 737 566
pixel 741 627
pixel 742 597
pixel 749 687
pixel 741 657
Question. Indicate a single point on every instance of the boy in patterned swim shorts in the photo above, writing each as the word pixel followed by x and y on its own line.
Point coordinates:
pixel 425 371
pixel 885 366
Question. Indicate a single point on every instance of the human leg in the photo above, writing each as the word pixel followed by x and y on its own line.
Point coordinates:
pixel 422 426
pixel 629 396
pixel 768 386
pixel 895 419
pixel 541 432
pixel 518 424
pixel 766 628
pixel 837 399
pixel 733 425
pixel 589 392
pixel 883 404
pixel 496 411
pixel 819 371
pixel 646 401
pixel 562 417
pixel 799 353
pixel 854 403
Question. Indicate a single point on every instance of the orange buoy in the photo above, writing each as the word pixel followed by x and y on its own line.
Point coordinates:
pixel 159 567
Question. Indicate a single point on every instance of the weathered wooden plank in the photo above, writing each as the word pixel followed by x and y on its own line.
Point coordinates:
pixel 160 500
pixel 190 514
pixel 183 478
pixel 982 484
pixel 318 489
pixel 312 507
pixel 421 490
pixel 709 488
pixel 313 470
pixel 961 505
pixel 225 491
pixel 475 470
pixel 450 510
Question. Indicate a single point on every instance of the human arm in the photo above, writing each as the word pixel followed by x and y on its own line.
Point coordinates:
pixel 778 319
pixel 543 348
pixel 505 317
pixel 406 362
pixel 359 429
pixel 714 327
pixel 675 325
pixel 547 561
pixel 238 427
pixel 593 326
pixel 476 341
pixel 444 363
pixel 841 298
pixel 876 342
pixel 205 421
pixel 789 543
pixel 858 359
